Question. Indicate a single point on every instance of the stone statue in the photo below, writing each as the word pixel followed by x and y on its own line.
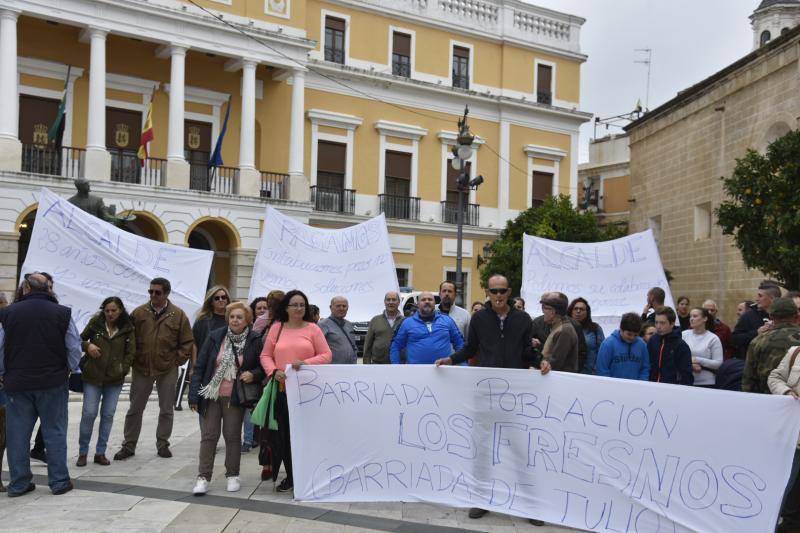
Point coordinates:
pixel 95 206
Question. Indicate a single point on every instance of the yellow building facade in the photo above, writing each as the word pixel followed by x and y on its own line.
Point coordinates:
pixel 338 110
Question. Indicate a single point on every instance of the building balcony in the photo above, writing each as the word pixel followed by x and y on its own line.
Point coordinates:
pixel 222 180
pixel 126 167
pixel 450 213
pixel 333 200
pixel 273 185
pixel 400 207
pixel 544 97
pixel 65 162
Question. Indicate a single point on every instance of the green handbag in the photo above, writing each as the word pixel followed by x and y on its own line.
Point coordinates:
pixel 266 407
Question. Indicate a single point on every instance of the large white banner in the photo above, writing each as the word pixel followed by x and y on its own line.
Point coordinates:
pixel 614 276
pixel 90 260
pixel 584 451
pixel 355 262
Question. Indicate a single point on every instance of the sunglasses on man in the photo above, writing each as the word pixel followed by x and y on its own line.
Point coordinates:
pixel 499 291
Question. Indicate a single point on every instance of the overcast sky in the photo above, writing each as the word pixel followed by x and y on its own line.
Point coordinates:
pixel 690 39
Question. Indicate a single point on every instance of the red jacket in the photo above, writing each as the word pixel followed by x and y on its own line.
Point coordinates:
pixel 722 331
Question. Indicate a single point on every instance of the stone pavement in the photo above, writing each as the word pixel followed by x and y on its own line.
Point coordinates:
pixel 149 494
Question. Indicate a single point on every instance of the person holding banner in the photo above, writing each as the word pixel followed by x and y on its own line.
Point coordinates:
pixel 164 342
pixel 292 340
pixel 499 337
pixel 561 346
pixel 110 346
pixel 228 354
pixel 426 336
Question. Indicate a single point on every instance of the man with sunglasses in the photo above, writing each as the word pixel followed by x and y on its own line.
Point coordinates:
pixel 500 337
pixel 163 343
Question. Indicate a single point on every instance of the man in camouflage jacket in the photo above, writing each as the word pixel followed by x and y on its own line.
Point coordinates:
pixel 766 351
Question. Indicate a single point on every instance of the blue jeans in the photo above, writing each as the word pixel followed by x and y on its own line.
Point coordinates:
pixel 22 410
pixel 248 428
pixel 91 404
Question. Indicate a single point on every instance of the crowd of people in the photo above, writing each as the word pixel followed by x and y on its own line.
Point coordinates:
pixel 237 353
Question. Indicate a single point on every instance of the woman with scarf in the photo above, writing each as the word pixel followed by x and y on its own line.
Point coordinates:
pixel 228 354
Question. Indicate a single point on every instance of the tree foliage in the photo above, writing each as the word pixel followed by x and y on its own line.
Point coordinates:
pixel 762 211
pixel 557 220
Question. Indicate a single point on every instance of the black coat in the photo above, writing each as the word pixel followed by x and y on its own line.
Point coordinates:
pixel 495 348
pixel 747 329
pixel 675 358
pixel 205 366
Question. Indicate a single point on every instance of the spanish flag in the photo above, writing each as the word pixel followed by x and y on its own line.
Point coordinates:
pixel 147 132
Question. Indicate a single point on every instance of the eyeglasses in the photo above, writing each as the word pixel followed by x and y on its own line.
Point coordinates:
pixel 499 291
pixel 221 298
pixel 297 306
pixel 152 291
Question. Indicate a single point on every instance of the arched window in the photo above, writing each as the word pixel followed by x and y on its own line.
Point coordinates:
pixel 765 37
pixel 784 31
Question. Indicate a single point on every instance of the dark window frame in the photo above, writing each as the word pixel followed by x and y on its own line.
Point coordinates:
pixel 461 62
pixel 335 45
pixel 401 54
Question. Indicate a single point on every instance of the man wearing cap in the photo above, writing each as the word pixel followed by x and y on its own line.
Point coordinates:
pixel 561 346
pixel 541 329
pixel 766 351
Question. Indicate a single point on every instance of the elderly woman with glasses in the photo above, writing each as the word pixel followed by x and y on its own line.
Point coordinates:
pixel 293 339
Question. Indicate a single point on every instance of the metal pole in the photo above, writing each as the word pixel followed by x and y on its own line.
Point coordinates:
pixel 459 235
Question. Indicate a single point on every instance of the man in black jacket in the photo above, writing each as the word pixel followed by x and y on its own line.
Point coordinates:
pixel 500 336
pixel 670 356
pixel 755 320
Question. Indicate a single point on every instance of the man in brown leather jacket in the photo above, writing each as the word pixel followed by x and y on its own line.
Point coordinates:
pixel 163 343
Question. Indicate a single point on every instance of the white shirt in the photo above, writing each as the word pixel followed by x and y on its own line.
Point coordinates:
pixel 707 352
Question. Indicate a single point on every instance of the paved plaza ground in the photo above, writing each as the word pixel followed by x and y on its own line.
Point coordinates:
pixel 149 494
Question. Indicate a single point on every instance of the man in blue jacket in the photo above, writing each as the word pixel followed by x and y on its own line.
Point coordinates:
pixel 670 356
pixel 624 354
pixel 427 335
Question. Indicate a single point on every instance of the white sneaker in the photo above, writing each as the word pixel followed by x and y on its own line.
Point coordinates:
pixel 233 484
pixel 200 487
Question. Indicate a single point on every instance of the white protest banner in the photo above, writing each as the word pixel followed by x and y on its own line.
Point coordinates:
pixel 614 276
pixel 355 262
pixel 588 452
pixel 91 260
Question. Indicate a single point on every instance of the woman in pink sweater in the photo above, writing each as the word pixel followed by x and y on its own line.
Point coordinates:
pixel 292 339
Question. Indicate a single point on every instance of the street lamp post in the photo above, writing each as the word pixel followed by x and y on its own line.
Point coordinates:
pixel 461 153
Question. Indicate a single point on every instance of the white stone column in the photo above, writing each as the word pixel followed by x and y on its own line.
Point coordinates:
pixel 97 164
pixel 249 176
pixel 10 145
pixel 177 167
pixel 504 170
pixel 298 182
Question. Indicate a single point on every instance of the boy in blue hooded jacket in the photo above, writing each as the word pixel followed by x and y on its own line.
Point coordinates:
pixel 624 354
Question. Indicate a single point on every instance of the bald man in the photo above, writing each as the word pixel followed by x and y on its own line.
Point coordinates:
pixel 339 332
pixel 40 345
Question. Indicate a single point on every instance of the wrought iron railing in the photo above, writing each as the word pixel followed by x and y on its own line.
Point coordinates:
pixel 126 167
pixel 332 199
pixel 544 97
pixel 223 180
pixel 402 207
pixel 335 55
pixel 273 185
pixel 401 66
pixel 461 81
pixel 450 213
pixel 66 161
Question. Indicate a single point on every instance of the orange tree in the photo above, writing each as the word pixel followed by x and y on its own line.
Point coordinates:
pixel 762 211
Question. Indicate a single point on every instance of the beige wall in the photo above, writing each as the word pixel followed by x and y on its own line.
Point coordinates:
pixel 676 162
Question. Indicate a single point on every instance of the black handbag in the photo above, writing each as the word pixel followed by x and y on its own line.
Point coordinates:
pixel 247 393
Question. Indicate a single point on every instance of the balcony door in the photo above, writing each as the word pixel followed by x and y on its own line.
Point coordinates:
pixel 331 168
pixel 197 151
pixel 123 133
pixel 398 185
pixel 36 115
